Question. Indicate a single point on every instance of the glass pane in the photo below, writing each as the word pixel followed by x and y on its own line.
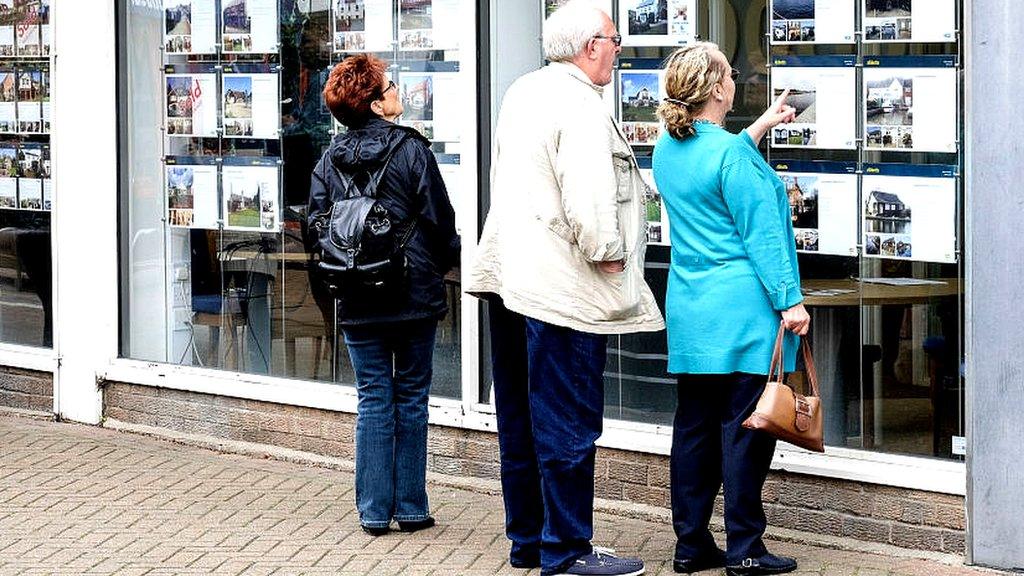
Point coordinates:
pixel 26 193
pixel 887 325
pixel 219 261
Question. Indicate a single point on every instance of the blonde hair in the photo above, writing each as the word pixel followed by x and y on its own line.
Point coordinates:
pixel 690 75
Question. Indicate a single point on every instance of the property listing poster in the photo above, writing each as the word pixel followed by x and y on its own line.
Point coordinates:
pixel 191 104
pixel 6 28
pixel 191 185
pixel 33 168
pixel 822 205
pixel 657 217
pixel 812 21
pixel 251 197
pixel 823 91
pixel 249 26
pixel 431 102
pixel 250 104
pixel 362 25
pixel 640 91
pixel 33 87
pixel 8 176
pixel 657 23
pixel 909 212
pixel 44 27
pixel 909 20
pixel 428 24
pixel 28 26
pixel 450 166
pixel 911 109
pixel 190 27
pixel 8 99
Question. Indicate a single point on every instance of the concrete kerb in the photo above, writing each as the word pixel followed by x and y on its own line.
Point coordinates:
pixel 493 488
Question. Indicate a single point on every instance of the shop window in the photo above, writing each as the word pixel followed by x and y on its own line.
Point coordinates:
pixel 26 194
pixel 872 167
pixel 225 123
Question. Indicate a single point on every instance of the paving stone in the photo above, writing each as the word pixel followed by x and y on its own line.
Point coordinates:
pixel 85 500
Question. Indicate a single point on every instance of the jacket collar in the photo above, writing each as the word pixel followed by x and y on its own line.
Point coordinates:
pixel 574 71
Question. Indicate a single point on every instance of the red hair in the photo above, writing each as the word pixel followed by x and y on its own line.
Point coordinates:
pixel 352 86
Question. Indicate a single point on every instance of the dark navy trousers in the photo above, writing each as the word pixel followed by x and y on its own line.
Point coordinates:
pixel 710 449
pixel 549 399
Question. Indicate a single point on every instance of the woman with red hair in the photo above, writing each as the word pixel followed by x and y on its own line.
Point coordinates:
pixel 390 339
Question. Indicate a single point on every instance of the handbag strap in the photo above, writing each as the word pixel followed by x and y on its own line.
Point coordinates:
pixel 778 365
pixel 812 372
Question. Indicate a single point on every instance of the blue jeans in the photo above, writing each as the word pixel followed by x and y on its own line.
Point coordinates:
pixel 520 476
pixel 566 403
pixel 710 447
pixel 393 365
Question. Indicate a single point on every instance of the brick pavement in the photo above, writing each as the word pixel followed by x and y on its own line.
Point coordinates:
pixel 87 500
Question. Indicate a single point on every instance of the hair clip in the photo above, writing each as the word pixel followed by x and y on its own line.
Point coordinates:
pixel 676 102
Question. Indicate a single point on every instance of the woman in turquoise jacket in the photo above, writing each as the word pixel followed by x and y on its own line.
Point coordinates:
pixel 733 278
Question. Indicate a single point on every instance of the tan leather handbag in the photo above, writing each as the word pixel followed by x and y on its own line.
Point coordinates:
pixel 785 414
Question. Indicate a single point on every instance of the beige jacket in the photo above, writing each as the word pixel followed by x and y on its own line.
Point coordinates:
pixel 566 192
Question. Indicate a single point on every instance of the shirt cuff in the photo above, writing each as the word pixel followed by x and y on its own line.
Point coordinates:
pixel 786 296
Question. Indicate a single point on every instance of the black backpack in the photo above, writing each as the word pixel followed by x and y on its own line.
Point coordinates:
pixel 360 254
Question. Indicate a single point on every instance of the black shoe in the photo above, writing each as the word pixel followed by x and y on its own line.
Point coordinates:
pixel 525 564
pixel 376 531
pixel 416 525
pixel 711 559
pixel 767 564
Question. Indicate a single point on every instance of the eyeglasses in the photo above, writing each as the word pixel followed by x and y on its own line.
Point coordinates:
pixel 391 84
pixel 734 74
pixel 616 39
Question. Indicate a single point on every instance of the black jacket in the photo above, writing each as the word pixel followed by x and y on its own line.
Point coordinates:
pixel 412 185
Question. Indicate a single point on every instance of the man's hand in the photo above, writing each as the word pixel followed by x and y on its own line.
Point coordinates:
pixel 612 266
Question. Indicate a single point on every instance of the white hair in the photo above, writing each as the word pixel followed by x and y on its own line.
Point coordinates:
pixel 568 29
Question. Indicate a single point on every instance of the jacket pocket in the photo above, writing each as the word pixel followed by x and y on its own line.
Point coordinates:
pixel 614 296
pixel 623 164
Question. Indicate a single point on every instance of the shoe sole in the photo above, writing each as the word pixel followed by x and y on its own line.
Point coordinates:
pixel 637 573
pixel 758 571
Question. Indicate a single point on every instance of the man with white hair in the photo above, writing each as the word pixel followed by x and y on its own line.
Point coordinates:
pixel 561 263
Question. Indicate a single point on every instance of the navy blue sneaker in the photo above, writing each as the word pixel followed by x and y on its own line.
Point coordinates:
pixel 604 562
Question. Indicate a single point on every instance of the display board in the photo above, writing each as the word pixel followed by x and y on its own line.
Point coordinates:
pixel 910 103
pixel 641 86
pixel 549 6
pixel 431 98
pixel 222 115
pixel 250 104
pixel 909 212
pixel 823 205
pixel 191 105
pixel 657 23
pixel 361 26
pixel 812 21
pixel 250 192
pixel 25 178
pixel 823 90
pixel 428 24
pixel 909 20
pixel 249 26
pixel 192 186
pixel 190 27
pixel 656 216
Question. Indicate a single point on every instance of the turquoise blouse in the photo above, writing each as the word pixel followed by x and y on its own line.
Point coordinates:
pixel 734 264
